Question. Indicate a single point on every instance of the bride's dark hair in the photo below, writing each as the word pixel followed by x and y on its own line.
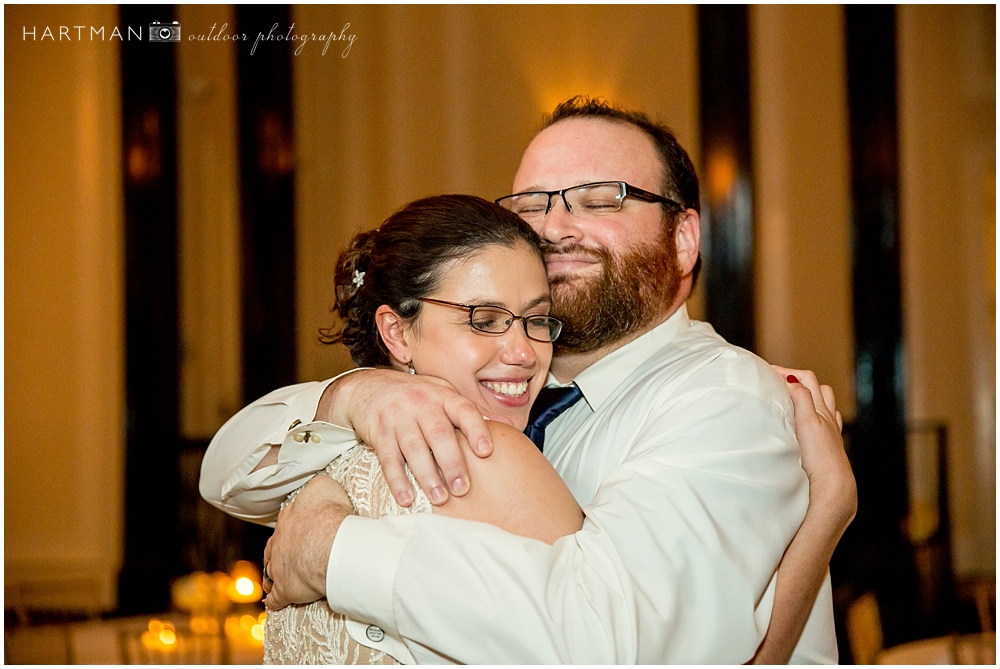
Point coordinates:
pixel 403 260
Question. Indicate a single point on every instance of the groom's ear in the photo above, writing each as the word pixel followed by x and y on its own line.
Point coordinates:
pixel 688 237
pixel 393 329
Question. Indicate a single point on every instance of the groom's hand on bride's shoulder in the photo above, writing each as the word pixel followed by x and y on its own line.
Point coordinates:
pixel 411 419
pixel 296 555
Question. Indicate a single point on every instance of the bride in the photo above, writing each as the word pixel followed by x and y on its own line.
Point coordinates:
pixel 454 287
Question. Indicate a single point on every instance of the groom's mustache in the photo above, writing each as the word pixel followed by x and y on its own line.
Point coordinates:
pixel 578 250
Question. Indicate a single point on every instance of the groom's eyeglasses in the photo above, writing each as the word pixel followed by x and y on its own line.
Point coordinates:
pixel 497 320
pixel 594 199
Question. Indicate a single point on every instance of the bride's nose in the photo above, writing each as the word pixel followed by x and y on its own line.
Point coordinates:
pixel 517 348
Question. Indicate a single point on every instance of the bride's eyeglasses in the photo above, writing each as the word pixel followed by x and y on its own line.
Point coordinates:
pixel 497 320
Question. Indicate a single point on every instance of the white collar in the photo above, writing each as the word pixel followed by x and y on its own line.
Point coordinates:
pixel 598 381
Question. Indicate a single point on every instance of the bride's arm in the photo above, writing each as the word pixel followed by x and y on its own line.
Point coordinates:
pixel 833 501
pixel 516 490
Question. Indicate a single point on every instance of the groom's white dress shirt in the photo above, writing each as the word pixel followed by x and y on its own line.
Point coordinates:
pixel 683 457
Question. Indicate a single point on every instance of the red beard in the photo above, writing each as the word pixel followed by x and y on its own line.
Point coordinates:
pixel 632 291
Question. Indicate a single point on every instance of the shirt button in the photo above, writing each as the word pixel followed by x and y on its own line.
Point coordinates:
pixel 375 633
pixel 316 438
pixel 299 437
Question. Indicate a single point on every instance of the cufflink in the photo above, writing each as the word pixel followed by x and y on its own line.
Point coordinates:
pixel 374 633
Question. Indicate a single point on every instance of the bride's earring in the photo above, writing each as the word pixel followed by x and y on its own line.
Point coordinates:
pixel 410 365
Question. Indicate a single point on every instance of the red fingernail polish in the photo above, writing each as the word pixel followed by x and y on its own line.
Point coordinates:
pixel 791 378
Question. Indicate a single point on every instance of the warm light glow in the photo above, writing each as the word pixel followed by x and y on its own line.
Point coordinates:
pixel 233 626
pixel 160 636
pixel 244 586
pixel 244 568
pixel 721 174
pixel 199 625
pixel 551 93
pixel 202 593
pixel 554 69
pixel 246 628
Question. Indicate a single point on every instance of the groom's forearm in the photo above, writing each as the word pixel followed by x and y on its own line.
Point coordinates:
pixel 295 557
pixel 471 594
pixel 268 450
pixel 605 595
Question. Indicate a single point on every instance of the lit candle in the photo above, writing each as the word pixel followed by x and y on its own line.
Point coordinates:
pixel 245 585
pixel 159 636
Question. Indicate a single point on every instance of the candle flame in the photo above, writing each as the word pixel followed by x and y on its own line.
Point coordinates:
pixel 244 586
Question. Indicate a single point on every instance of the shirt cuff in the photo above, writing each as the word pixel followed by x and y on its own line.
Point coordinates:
pixel 309 445
pixel 302 405
pixel 362 568
pixel 306 445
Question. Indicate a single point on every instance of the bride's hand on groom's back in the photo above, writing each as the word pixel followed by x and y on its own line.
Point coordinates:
pixel 412 419
pixel 833 501
pixel 818 426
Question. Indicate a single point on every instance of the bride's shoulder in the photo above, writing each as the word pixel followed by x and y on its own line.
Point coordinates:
pixel 516 489
pixel 513 452
pixel 508 443
pixel 507 433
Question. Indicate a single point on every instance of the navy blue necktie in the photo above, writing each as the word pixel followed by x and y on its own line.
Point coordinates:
pixel 548 405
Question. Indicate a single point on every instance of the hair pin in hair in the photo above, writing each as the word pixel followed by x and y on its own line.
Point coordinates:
pixel 359 279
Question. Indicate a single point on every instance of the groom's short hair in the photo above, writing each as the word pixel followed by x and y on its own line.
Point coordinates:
pixel 680 181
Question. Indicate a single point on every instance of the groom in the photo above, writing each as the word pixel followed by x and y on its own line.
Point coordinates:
pixel 681 451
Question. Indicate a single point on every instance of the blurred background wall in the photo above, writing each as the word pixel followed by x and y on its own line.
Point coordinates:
pixel 275 159
pixel 63 314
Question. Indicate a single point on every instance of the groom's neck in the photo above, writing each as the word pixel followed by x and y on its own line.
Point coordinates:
pixel 567 366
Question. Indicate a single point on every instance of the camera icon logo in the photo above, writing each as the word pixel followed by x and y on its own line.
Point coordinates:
pixel 159 32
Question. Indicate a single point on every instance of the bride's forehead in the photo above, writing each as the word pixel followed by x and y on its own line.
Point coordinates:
pixel 503 273
pixel 495 257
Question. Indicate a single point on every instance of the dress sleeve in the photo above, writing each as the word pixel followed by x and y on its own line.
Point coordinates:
pixel 284 418
pixel 676 552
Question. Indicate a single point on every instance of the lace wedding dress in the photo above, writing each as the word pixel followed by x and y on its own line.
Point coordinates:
pixel 313 633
